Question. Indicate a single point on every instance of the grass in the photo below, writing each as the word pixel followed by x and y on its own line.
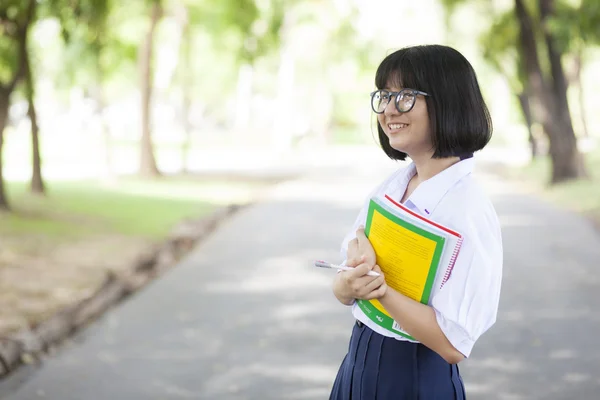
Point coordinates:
pixel 145 208
pixel 582 196
pixel 56 250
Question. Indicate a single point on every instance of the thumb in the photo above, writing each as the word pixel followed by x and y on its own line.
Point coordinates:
pixel 360 232
pixel 353 262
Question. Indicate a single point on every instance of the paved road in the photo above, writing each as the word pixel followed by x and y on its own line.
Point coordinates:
pixel 245 316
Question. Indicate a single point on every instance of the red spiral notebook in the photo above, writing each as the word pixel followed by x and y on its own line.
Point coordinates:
pixel 416 255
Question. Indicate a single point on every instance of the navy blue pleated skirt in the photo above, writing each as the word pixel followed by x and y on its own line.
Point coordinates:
pixel 382 368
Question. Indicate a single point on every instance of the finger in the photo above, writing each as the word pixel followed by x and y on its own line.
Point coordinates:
pixel 365 284
pixel 360 233
pixel 355 261
pixel 377 293
pixel 374 284
pixel 360 270
pixel 377 269
pixel 352 262
pixel 353 245
pixel 361 282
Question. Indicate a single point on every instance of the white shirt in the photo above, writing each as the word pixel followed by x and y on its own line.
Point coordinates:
pixel 467 305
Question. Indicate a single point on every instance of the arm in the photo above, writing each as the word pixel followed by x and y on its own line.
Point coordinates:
pixel 358 252
pixel 419 320
pixel 466 306
pixel 339 292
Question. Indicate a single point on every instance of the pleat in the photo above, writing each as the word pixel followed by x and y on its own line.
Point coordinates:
pixel 342 385
pixel 379 353
pixel 351 366
pixel 371 373
pixel 457 383
pixel 415 369
pixel 382 368
pixel 360 365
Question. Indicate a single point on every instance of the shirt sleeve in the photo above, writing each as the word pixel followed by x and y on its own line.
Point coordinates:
pixel 467 305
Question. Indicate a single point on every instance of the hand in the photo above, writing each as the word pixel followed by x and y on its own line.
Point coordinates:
pixel 360 250
pixel 356 284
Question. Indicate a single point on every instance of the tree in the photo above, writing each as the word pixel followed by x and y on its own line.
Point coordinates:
pixel 550 93
pixel 15 20
pixel 147 158
pixel 500 52
pixel 37 182
pixel 93 52
pixel 540 50
pixel 255 27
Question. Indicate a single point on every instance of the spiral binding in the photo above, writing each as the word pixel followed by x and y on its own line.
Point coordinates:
pixel 452 261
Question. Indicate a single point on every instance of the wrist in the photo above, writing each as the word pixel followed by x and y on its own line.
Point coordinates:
pixel 384 298
pixel 341 294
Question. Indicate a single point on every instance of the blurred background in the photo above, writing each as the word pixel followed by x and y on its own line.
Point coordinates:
pixel 120 119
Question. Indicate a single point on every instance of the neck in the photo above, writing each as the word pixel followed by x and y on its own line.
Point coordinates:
pixel 428 167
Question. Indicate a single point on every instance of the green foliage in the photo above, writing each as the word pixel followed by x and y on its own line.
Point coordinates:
pixel 94 47
pixel 8 57
pixel 590 21
pixel 574 27
pixel 255 26
pixel 500 49
pixel 13 16
pixel 249 28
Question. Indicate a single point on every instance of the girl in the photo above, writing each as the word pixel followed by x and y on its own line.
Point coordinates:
pixel 429 108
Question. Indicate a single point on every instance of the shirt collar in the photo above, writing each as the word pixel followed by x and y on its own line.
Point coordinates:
pixel 428 194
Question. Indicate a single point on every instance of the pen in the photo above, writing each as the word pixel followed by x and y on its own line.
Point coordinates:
pixel 324 264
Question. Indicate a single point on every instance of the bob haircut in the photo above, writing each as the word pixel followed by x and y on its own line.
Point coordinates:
pixel 459 119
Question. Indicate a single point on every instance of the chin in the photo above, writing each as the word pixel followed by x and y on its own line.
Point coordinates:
pixel 399 146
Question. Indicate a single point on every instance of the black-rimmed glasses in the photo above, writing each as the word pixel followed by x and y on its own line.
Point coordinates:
pixel 405 99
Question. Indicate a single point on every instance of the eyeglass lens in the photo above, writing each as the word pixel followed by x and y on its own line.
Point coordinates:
pixel 404 101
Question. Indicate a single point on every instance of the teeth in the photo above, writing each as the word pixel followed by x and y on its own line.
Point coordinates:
pixel 397 126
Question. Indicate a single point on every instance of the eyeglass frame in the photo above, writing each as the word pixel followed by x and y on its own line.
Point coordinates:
pixel 395 94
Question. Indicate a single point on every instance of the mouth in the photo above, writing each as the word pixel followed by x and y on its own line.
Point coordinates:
pixel 396 127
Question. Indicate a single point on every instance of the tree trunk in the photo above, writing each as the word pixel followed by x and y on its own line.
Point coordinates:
pixel 37 182
pixel 580 91
pixel 4 103
pixel 526 109
pixel 534 78
pixel 147 160
pixel 20 36
pixel 568 162
pixel 186 77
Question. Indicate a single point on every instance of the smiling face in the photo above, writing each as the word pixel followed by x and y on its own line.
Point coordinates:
pixel 451 121
pixel 407 132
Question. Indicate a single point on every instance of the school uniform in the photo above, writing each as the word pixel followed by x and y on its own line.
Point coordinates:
pixel 381 365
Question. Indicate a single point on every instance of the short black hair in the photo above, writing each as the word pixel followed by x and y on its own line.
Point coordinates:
pixel 458 116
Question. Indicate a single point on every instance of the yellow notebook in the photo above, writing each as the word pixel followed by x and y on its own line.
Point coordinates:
pixel 415 254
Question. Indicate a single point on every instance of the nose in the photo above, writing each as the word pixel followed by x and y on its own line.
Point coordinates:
pixel 390 108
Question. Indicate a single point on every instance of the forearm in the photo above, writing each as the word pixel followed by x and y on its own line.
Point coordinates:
pixel 420 322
